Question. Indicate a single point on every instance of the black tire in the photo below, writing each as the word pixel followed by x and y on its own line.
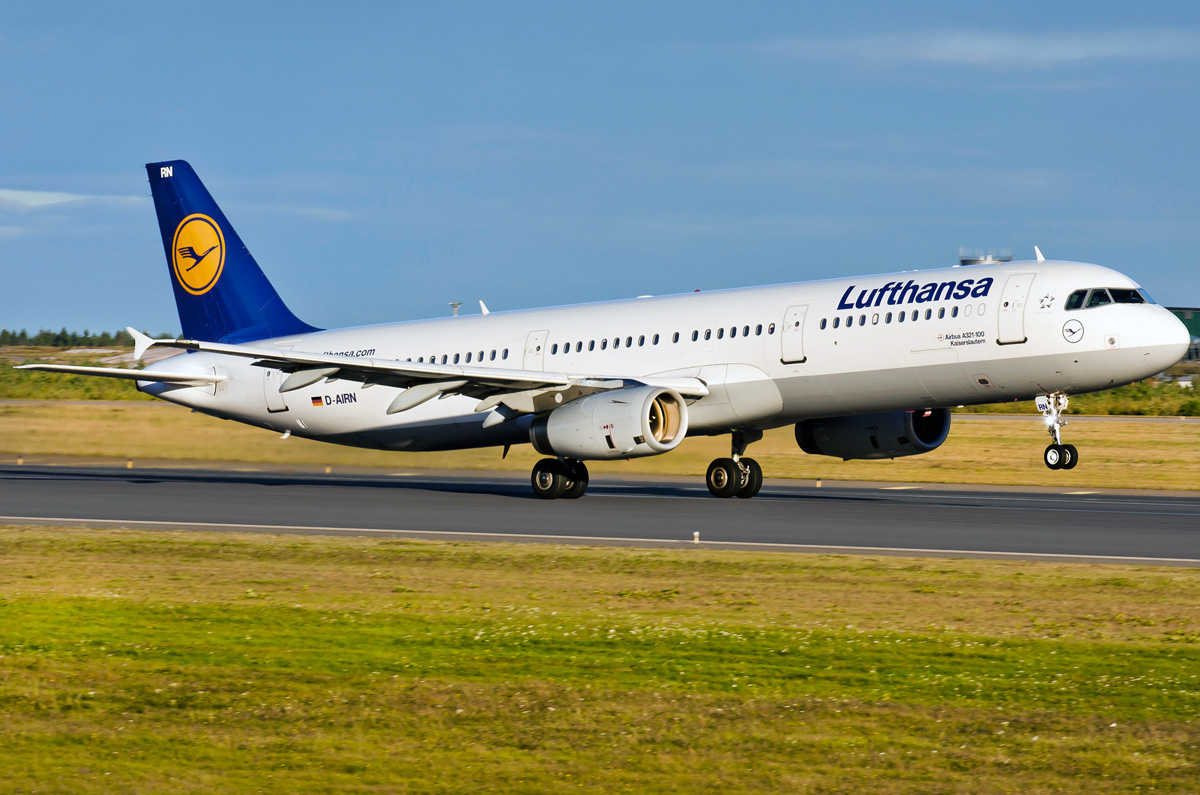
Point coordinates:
pixel 751 479
pixel 578 481
pixel 547 479
pixel 723 478
pixel 1072 456
pixel 1054 456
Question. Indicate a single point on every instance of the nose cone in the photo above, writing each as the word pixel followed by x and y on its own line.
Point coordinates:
pixel 1164 339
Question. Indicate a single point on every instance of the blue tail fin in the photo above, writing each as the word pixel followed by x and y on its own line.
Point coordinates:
pixel 221 293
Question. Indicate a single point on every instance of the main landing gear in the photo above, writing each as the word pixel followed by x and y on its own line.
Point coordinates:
pixel 1057 455
pixel 736 476
pixel 559 477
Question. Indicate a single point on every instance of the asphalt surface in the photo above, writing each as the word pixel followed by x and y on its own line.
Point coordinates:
pixel 889 519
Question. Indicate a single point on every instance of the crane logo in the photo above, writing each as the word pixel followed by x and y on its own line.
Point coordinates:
pixel 1072 330
pixel 198 253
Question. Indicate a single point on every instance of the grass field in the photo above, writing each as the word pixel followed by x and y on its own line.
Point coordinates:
pixel 1114 453
pixel 142 662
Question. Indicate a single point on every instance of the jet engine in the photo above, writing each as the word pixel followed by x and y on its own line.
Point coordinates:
pixel 625 423
pixel 872 436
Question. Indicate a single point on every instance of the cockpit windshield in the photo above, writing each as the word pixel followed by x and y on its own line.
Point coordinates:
pixel 1088 299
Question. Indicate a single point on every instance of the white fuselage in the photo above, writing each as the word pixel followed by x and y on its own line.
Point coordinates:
pixel 769 356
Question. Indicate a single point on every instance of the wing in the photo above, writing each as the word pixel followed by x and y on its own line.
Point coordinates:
pixel 520 391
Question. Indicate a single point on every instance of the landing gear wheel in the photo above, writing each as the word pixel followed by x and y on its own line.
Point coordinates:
pixel 752 478
pixel 724 478
pixel 548 480
pixel 1072 456
pixel 1055 456
pixel 578 481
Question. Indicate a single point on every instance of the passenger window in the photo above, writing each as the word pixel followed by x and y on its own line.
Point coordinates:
pixel 616 343
pixel 492 356
pixel 862 320
pixel 771 329
pixel 591 345
pixel 1125 296
pixel 579 346
pixel 604 344
pixel 733 332
pixel 642 340
pixel 444 358
pixel 758 330
pixel 420 358
pixel 1098 298
pixel 707 334
pixel 900 317
pixel 553 349
pixel 468 357
pixel 836 322
pixel 822 324
pixel 695 336
pixel 954 312
pixel 720 333
pixel 928 314
pixel 941 312
pixel 887 318
pixel 481 356
pixel 745 331
pixel 875 319
pixel 675 337
pixel 914 315
pixel 629 342
pixel 1075 300
pixel 655 340
pixel 456 358
pixel 504 355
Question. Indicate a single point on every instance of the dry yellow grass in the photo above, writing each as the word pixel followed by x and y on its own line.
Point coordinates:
pixel 1115 453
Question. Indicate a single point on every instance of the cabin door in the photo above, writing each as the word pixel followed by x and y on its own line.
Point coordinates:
pixel 535 350
pixel 272 378
pixel 1012 309
pixel 792 335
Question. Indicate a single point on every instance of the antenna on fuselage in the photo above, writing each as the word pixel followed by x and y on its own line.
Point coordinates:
pixel 455 305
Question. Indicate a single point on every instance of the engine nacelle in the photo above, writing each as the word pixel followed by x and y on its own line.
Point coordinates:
pixel 624 423
pixel 871 436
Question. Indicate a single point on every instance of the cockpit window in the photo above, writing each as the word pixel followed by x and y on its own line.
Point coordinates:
pixel 1075 300
pixel 1098 298
pixel 1121 296
pixel 1145 295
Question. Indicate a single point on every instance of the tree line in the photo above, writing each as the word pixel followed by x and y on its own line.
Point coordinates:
pixel 69 339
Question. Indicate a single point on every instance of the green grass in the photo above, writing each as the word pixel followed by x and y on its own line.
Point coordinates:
pixel 141 662
pixel 34 385
pixel 1143 399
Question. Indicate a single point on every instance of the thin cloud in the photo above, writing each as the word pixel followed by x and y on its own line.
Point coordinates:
pixel 42 198
pixel 10 232
pixel 994 49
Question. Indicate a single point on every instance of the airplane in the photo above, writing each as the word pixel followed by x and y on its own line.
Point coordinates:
pixel 864 368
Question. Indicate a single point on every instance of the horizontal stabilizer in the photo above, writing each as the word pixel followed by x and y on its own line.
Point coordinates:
pixel 132 375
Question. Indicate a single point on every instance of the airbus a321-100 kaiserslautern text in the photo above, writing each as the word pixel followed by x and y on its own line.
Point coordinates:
pixel 864 368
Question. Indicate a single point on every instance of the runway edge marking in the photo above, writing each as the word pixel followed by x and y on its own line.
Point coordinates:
pixel 612 539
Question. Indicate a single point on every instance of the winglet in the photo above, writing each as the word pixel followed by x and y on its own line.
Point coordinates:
pixel 482 306
pixel 1038 251
pixel 141 342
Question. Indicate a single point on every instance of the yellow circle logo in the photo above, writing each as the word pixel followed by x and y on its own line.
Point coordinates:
pixel 198 253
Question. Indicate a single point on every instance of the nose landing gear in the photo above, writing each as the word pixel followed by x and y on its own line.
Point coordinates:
pixel 1057 455
pixel 736 476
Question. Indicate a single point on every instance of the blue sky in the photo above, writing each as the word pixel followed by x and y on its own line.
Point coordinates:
pixel 383 159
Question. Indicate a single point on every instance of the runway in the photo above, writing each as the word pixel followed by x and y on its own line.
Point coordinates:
pixel 884 519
